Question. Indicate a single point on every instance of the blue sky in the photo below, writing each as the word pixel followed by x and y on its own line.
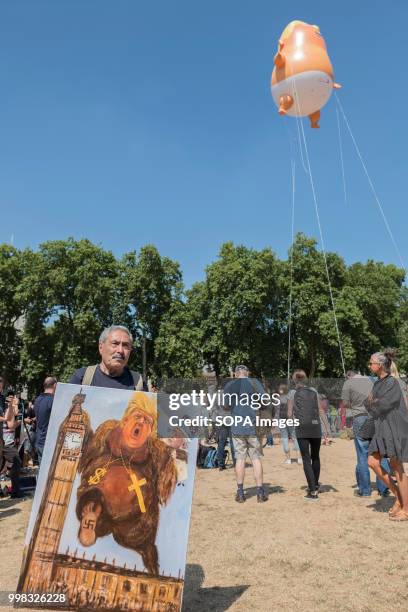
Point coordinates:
pixel 131 123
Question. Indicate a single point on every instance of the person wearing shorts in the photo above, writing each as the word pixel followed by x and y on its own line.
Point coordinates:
pixel 246 442
pixel 247 446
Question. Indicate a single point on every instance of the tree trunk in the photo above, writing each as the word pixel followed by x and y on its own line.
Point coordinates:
pixel 144 358
pixel 312 358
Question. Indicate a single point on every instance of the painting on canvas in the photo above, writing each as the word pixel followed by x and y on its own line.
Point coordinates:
pixel 109 524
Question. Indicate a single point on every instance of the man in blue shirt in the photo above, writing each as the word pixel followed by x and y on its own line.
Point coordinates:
pixel 239 395
pixel 42 409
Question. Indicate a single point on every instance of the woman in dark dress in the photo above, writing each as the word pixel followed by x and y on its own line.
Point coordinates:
pixel 386 405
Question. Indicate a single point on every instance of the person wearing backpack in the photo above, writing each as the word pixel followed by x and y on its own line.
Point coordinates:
pixel 115 347
pixel 303 404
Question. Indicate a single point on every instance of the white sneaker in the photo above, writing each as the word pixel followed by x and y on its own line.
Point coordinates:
pixel 300 462
pixel 288 461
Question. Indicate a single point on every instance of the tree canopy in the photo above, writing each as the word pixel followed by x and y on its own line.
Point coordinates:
pixel 55 301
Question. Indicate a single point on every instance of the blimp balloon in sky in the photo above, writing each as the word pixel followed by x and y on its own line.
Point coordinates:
pixel 302 79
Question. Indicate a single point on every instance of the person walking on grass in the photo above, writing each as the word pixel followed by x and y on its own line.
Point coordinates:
pixel 303 405
pixel 241 394
pixel 288 432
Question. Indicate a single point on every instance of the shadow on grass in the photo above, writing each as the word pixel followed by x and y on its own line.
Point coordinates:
pixel 324 488
pixel 216 599
pixel 382 504
pixel 327 488
pixel 9 502
pixel 10 512
pixel 269 490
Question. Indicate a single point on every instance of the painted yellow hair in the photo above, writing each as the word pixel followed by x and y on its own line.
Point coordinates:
pixel 142 402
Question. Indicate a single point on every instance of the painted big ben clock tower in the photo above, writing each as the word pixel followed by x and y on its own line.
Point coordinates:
pixel 38 563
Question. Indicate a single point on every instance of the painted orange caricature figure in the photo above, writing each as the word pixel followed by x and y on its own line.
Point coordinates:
pixel 302 79
pixel 127 473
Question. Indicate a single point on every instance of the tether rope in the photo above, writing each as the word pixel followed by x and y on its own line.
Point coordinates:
pixel 370 182
pixel 298 120
pixel 320 231
pixel 291 269
pixel 341 157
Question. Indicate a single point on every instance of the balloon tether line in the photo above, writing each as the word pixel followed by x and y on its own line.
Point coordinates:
pixel 321 234
pixel 370 182
pixel 291 269
pixel 341 156
pixel 300 144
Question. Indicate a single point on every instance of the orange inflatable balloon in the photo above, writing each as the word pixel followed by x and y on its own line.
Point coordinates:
pixel 302 79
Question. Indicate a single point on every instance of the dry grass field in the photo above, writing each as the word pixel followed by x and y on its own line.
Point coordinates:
pixel 340 553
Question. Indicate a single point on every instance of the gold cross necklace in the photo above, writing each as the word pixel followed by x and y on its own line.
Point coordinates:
pixel 136 485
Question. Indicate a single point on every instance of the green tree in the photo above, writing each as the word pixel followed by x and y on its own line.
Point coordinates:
pixel 178 344
pixel 153 285
pixel 378 293
pixel 366 298
pixel 236 310
pixel 55 301
pixel 11 310
pixel 315 345
pixel 402 332
pixel 36 349
pixel 70 292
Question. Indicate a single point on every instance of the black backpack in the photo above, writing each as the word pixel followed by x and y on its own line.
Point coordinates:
pixel 202 454
pixel 306 409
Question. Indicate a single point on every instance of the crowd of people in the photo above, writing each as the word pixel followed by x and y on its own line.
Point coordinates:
pixel 373 407
pixel 23 428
